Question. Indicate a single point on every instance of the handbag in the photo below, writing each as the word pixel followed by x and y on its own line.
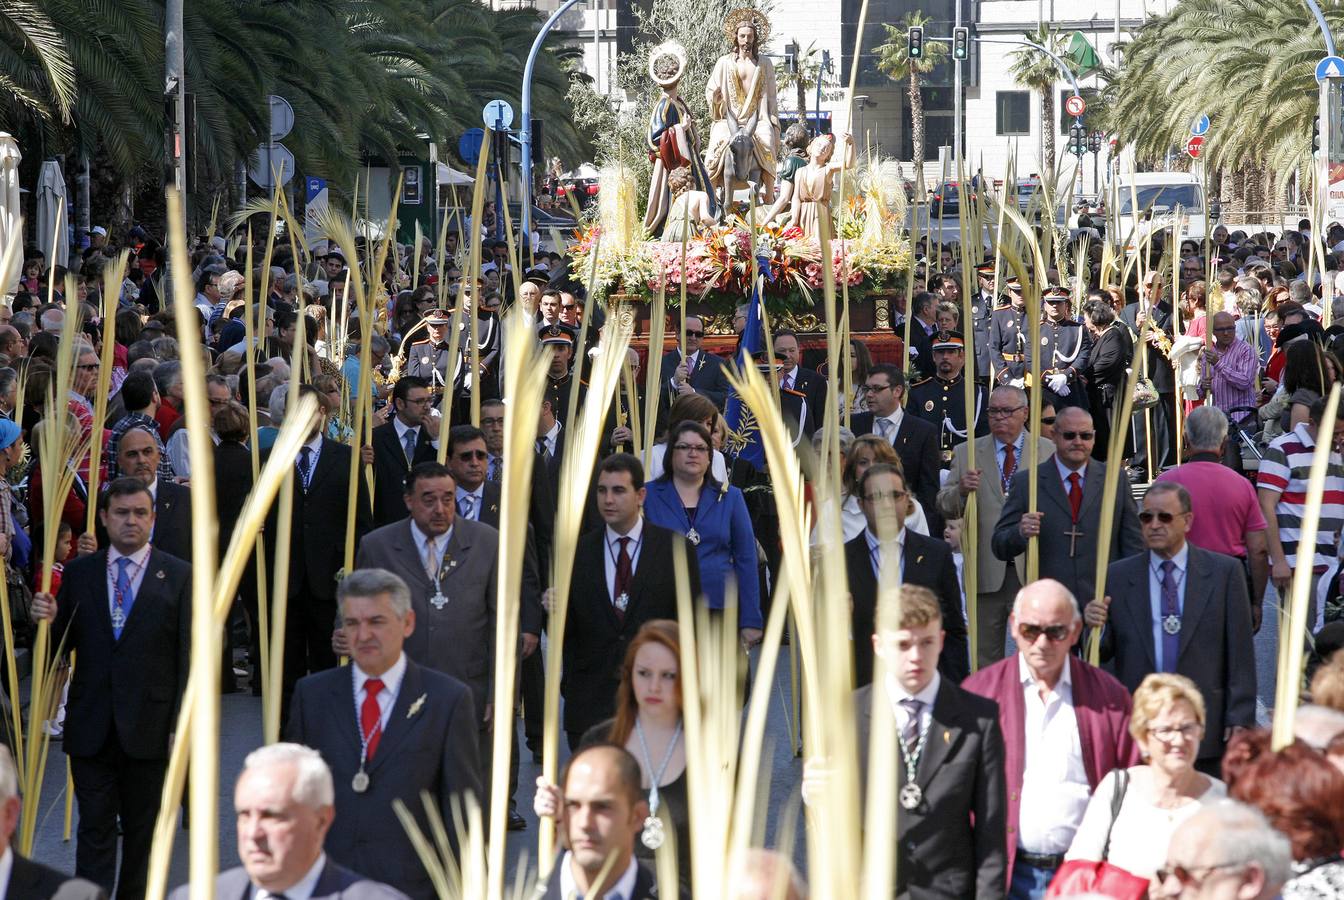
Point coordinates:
pixel 1104 879
pixel 1145 394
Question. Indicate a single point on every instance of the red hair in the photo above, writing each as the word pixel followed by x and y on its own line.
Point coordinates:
pixel 1297 788
pixel 663 632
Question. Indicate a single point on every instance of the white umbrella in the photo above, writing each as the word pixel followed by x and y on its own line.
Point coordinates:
pixel 449 175
pixel 50 198
pixel 583 172
pixel 11 228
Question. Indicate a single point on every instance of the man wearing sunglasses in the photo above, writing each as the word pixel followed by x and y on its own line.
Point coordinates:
pixel 1179 608
pixel 1065 725
pixel 1067 521
pixel 1226 851
pixel 693 370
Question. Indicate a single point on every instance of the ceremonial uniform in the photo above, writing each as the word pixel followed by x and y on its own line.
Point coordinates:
pixel 1008 342
pixel 557 392
pixel 1065 347
pixel 942 403
pixel 431 362
pixel 982 319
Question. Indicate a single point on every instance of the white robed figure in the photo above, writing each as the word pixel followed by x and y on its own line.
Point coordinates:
pixel 744 109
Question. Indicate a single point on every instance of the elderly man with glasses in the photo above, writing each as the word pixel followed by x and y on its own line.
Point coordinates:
pixel 1226 851
pixel 1065 725
pixel 1228 367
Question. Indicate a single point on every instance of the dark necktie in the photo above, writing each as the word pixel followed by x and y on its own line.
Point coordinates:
pixel 305 465
pixel 125 597
pixel 623 575
pixel 371 716
pixel 1010 466
pixel 541 448
pixel 408 441
pixel 787 383
pixel 910 733
pixel 492 474
pixel 1171 643
pixel 1075 494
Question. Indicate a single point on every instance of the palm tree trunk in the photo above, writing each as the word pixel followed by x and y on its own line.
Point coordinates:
pixel 917 125
pixel 1048 131
pixel 801 84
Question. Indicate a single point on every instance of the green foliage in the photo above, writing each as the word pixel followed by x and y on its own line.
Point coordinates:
pixel 893 57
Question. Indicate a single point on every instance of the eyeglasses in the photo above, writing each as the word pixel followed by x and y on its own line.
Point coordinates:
pixel 694 334
pixel 219 401
pixel 1172 732
pixel 1047 420
pixel 1053 633
pixel 1186 877
pixel 492 423
pixel 1077 435
pixel 875 388
pixel 87 367
pixel 691 448
pixel 467 455
pixel 1002 412
pixel 1164 517
pixel 416 401
pixel 879 496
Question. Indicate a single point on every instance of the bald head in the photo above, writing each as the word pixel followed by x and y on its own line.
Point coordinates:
pixel 765 875
pixel 1046 597
pixel 1224 329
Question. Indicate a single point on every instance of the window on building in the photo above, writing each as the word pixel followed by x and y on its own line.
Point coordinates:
pixel 1012 112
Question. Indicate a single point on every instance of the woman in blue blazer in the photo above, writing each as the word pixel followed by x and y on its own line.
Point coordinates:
pixel 714 519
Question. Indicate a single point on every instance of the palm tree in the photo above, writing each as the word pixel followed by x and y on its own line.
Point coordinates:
pixel 893 60
pixel 809 71
pixel 37 77
pixel 1036 70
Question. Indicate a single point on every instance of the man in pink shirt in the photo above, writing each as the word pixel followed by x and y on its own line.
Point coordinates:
pixel 1227 517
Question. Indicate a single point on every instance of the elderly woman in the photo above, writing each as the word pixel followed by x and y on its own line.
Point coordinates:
pixel 1167 723
pixel 1302 795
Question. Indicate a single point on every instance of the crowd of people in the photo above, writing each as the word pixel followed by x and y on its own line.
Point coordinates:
pixel 1020 764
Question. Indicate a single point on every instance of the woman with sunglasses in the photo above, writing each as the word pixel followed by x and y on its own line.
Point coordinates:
pixel 1155 799
pixel 648 724
pixel 688 500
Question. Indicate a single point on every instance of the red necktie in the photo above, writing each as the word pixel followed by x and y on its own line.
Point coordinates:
pixel 1075 494
pixel 1009 465
pixel 371 716
pixel 623 576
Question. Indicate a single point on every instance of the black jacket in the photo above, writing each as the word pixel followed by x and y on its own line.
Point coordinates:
pixel 389 471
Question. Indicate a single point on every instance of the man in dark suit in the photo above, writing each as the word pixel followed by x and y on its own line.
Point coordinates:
pixel 1156 312
pixel 914 440
pixel 1178 608
pixel 1107 368
pixel 1070 487
pixel 693 370
pixel 951 821
pixel 450 567
pixel 126 611
pixel 924 323
pixel 29 880
pixel 603 811
pixel 922 561
pixel 622 579
pixel 316 550
pixel 402 442
pixel 138 457
pixel 284 803
pixel 793 377
pixel 389 729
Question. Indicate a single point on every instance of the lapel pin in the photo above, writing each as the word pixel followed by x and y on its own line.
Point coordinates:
pixel 452 564
pixel 160 574
pixel 415 707
pixel 920 558
pixel 947 737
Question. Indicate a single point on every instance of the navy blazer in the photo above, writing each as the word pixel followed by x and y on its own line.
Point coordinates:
pixel 727 542
pixel 430 746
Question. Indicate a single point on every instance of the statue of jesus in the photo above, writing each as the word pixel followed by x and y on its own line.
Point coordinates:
pixel 743 109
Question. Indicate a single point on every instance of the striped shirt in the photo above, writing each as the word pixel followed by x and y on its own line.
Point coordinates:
pixel 1233 376
pixel 1285 470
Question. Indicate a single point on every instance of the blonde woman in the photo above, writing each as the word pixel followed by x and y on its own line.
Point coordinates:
pixel 1158 796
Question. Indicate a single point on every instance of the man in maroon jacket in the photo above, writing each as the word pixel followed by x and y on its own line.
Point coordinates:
pixel 1065 725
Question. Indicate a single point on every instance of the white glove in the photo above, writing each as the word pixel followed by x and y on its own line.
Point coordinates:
pixel 1059 383
pixel 1017 382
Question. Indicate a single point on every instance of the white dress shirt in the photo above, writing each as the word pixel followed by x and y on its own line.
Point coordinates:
pixel 876 556
pixel 135 572
pixel 895 420
pixel 896 692
pixel 6 871
pixel 551 438
pixel 387 697
pixel 613 552
pixel 302 889
pixel 1181 559
pixel 624 889
pixel 1054 781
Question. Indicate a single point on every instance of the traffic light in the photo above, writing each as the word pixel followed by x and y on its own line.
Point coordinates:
pixel 500 150
pixel 1077 139
pixel 791 57
pixel 961 42
pixel 1315 134
pixel 914 42
pixel 1094 142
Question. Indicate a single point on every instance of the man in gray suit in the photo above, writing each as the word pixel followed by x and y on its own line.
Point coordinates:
pixel 284 801
pixel 390 730
pixel 997 458
pixel 1178 608
pixel 448 562
pixel 1068 521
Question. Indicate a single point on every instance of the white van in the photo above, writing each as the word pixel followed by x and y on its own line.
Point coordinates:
pixel 1145 202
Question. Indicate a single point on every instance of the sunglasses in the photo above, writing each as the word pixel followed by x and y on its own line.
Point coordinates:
pixel 1046 420
pixel 1148 515
pixel 466 455
pixel 1187 877
pixel 1053 633
pixel 693 333
pixel 1077 435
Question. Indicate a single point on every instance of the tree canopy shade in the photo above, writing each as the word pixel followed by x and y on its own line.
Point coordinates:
pixel 365 77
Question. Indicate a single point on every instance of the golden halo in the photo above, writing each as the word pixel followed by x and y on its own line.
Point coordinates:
pixel 747 16
pixel 663 50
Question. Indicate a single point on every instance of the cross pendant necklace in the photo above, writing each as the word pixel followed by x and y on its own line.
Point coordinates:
pixel 1074 534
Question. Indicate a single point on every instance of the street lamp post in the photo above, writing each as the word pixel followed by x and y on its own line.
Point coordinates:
pixel 525 131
